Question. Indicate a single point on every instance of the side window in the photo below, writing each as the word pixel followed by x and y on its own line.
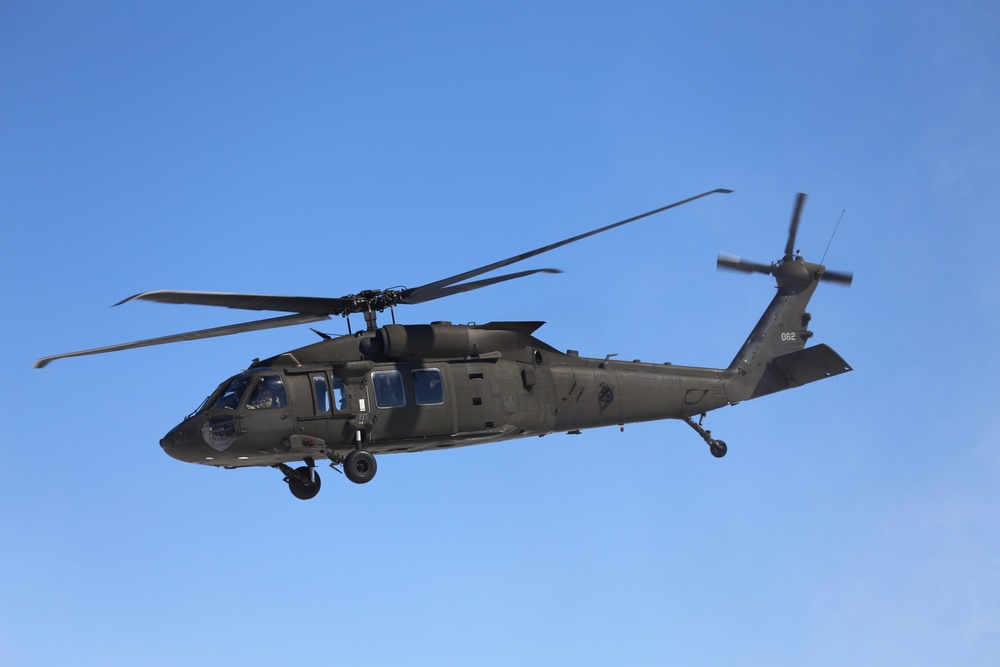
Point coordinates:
pixel 427 387
pixel 268 392
pixel 388 389
pixel 322 392
pixel 339 394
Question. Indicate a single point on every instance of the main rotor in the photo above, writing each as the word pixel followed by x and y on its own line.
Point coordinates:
pixel 306 309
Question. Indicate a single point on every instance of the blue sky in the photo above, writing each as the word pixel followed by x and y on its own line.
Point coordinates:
pixel 325 148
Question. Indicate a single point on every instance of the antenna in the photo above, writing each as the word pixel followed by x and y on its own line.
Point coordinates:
pixel 836 227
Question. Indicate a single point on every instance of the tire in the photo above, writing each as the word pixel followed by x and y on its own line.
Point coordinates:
pixel 718 448
pixel 360 466
pixel 301 488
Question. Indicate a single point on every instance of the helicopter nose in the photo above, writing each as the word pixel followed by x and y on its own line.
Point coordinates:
pixel 181 445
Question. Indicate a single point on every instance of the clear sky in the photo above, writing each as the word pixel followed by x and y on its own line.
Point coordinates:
pixel 325 148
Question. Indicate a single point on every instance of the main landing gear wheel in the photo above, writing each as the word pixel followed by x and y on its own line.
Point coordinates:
pixel 360 466
pixel 303 482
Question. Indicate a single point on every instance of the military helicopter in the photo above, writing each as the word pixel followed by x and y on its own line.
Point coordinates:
pixel 420 387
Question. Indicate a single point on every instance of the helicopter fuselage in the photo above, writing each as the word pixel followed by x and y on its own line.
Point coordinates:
pixel 429 387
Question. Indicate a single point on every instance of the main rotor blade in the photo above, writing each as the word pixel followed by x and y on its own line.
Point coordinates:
pixel 800 201
pixel 424 292
pixel 256 325
pixel 420 295
pixel 727 261
pixel 288 304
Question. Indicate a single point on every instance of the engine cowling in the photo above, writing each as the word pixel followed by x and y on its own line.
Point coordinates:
pixel 399 341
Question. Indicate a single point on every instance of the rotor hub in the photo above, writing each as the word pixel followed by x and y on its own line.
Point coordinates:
pixel 794 274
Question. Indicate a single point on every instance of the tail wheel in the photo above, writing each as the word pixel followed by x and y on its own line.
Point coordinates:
pixel 718 448
pixel 360 466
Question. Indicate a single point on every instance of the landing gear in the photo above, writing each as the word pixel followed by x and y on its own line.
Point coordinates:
pixel 360 466
pixel 717 447
pixel 304 481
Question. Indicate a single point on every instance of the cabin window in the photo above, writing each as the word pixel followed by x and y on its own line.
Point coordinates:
pixel 339 394
pixel 427 386
pixel 231 395
pixel 388 389
pixel 268 392
pixel 322 392
pixel 325 400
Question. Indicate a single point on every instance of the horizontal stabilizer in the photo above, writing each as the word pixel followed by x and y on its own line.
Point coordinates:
pixel 798 368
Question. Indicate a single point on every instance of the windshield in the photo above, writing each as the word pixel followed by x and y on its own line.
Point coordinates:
pixel 231 395
pixel 210 400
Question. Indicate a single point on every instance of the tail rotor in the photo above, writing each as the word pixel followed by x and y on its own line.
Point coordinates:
pixel 792 272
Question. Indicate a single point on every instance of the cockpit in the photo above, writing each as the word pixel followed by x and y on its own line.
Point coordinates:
pixel 262 391
pixel 267 415
pixel 260 412
pixel 265 389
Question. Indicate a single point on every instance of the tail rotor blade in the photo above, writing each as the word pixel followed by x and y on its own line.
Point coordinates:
pixel 800 202
pixel 839 277
pixel 727 261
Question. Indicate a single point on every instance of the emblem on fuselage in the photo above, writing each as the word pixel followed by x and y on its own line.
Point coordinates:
pixel 606 397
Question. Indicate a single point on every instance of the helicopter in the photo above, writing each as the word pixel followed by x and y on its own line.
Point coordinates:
pixel 418 387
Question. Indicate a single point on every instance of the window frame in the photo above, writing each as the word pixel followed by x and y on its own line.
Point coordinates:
pixel 379 391
pixel 316 380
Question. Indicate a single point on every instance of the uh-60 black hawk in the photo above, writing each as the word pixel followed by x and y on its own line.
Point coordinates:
pixel 409 388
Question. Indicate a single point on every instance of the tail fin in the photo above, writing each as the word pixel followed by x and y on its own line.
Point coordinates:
pixel 774 356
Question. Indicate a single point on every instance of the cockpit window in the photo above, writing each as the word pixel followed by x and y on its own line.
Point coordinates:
pixel 231 395
pixel 208 402
pixel 268 392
